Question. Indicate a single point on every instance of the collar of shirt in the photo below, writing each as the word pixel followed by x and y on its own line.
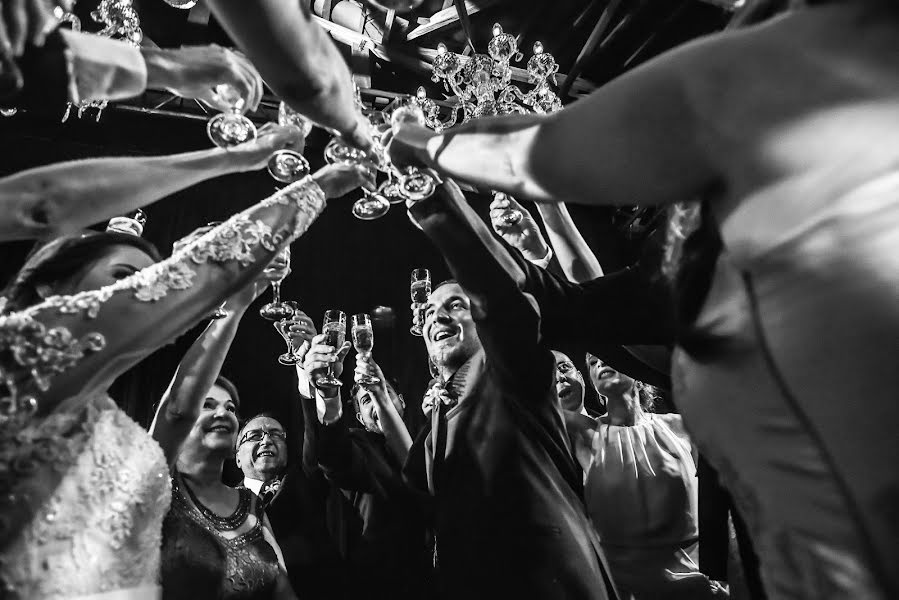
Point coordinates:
pixel 254 485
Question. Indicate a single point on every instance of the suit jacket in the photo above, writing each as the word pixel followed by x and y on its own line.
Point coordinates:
pixel 298 516
pixel 625 318
pixel 377 521
pixel 508 515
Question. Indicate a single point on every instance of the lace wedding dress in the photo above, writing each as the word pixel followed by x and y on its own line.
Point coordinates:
pixel 83 488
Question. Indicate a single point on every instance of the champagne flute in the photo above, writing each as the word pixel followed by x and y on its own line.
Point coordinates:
pixel 277 310
pixel 364 342
pixel 334 329
pixel 282 326
pixel 288 165
pixel 230 128
pixel 372 205
pixel 511 216
pixel 420 289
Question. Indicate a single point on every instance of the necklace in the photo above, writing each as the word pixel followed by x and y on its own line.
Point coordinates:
pixel 229 523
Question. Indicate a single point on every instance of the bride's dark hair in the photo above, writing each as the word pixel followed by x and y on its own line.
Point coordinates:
pixel 52 263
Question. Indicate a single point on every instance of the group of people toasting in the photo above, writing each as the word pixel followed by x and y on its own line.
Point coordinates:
pixel 776 147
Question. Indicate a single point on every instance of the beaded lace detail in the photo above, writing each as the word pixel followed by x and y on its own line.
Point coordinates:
pixel 100 529
pixel 43 352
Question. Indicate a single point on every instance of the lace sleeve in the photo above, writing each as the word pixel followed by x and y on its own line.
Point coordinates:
pixel 69 345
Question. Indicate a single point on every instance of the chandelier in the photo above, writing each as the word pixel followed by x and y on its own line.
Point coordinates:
pixel 482 85
pixel 120 21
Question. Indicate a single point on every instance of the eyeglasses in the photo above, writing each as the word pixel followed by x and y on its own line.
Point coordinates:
pixel 257 435
pixel 564 367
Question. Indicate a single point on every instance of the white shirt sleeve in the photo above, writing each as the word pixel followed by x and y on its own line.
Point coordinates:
pixel 543 263
pixel 103 69
pixel 329 410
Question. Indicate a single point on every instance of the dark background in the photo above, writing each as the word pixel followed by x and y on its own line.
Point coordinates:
pixel 341 262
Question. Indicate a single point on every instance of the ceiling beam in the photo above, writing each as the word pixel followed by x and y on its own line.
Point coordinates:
pixel 448 16
pixel 602 26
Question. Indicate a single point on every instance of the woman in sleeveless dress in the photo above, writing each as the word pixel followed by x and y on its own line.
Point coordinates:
pixel 786 368
pixel 83 489
pixel 217 541
pixel 640 488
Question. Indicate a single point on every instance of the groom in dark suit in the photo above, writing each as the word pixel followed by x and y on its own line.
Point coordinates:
pixel 508 515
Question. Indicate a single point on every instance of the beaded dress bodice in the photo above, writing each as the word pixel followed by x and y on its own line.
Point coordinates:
pixel 198 562
pixel 99 530
pixel 83 489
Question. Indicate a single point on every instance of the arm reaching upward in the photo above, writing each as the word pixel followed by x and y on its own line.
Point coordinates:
pixel 66 346
pixel 296 59
pixel 65 197
pixel 577 259
pixel 180 404
pixel 391 422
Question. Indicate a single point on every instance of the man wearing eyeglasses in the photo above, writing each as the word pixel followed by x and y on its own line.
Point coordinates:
pixel 262 456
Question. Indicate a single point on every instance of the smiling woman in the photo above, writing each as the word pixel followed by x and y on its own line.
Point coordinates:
pixel 217 542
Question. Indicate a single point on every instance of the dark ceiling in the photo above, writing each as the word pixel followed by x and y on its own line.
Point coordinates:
pixel 342 262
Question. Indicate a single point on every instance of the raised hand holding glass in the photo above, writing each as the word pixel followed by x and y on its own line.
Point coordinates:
pixel 287 165
pixel 334 330
pixel 364 342
pixel 291 357
pixel 230 128
pixel 277 310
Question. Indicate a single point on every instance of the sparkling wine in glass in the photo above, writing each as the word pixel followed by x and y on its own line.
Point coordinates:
pixel 364 342
pixel 291 357
pixel 230 128
pixel 420 289
pixel 277 310
pixel 334 330
pixel 511 216
pixel 287 165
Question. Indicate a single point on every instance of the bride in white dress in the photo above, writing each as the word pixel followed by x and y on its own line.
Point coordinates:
pixel 83 488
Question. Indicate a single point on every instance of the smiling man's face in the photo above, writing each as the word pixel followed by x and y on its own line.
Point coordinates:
pixel 449 330
pixel 262 449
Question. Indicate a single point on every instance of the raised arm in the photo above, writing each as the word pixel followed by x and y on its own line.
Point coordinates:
pixel 297 60
pixel 577 259
pixel 508 320
pixel 70 345
pixel 73 66
pixel 637 139
pixel 574 255
pixel 391 422
pixel 181 402
pixel 65 197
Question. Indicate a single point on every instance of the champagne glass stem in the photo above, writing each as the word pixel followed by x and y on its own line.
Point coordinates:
pixel 276 292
